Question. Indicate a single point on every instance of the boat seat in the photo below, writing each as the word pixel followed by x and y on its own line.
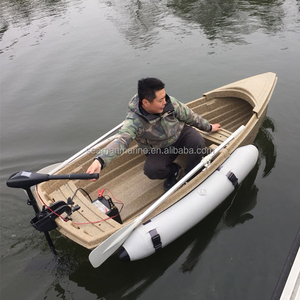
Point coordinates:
pixel 217 137
pixel 213 146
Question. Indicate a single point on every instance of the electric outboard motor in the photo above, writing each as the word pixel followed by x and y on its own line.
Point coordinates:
pixel 44 219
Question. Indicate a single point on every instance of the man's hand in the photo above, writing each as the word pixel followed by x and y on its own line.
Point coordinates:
pixel 95 167
pixel 215 127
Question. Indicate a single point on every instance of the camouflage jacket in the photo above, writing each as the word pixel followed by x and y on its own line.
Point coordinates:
pixel 151 130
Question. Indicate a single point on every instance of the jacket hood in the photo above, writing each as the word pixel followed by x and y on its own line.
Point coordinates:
pixel 134 104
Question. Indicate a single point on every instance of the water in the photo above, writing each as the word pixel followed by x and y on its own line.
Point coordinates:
pixel 68 69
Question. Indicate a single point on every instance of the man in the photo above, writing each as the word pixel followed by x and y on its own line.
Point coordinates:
pixel 161 126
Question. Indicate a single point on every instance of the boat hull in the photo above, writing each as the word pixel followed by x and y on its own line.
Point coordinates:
pixel 164 228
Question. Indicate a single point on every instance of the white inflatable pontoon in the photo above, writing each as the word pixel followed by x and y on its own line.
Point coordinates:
pixel 164 228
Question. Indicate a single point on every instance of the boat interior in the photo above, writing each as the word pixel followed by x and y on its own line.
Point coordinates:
pixel 137 191
pixel 123 180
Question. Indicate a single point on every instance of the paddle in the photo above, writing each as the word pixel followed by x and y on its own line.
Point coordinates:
pixel 111 244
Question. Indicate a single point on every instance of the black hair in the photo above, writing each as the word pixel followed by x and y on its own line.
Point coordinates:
pixel 147 87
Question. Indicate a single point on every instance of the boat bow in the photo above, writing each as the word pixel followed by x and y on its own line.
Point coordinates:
pixel 256 90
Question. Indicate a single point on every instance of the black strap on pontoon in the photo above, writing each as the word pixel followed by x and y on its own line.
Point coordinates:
pixel 156 241
pixel 155 237
pixel 232 178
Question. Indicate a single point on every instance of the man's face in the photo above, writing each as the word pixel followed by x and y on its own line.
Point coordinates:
pixel 157 105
